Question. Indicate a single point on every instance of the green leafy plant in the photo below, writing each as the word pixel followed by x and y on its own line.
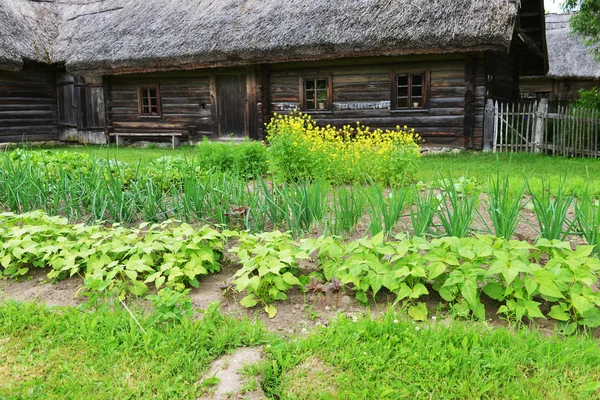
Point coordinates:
pixel 504 207
pixel 170 306
pixel 269 268
pixel 458 206
pixel 552 213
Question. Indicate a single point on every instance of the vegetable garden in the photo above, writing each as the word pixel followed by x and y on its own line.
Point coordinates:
pixel 321 211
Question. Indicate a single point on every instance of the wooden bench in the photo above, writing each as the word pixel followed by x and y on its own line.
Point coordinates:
pixel 175 136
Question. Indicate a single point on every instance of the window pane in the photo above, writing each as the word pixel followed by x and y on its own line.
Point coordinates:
pixel 402 102
pixel 310 104
pixel 402 80
pixel 417 79
pixel 322 95
pixel 322 84
pixel 417 91
pixel 310 85
pixel 402 91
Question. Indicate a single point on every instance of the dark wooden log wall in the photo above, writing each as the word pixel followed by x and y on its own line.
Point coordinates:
pixel 556 86
pixel 185 98
pixel 503 71
pixel 28 107
pixel 361 92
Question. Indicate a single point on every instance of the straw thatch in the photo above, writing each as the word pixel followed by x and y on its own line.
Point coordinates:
pixel 567 54
pixel 27 30
pixel 111 36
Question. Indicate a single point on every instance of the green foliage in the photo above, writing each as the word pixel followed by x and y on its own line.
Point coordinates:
pixel 391 358
pixel 589 99
pixel 170 306
pixel 586 22
pixel 504 207
pixel 508 271
pixel 115 259
pixel 552 212
pixel 68 354
pixel 247 159
pixel 269 268
pixel 458 206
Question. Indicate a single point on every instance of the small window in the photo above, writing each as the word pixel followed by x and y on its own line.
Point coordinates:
pixel 316 94
pixel 149 101
pixel 409 91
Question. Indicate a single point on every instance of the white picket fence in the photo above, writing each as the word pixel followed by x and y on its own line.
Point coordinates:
pixel 529 127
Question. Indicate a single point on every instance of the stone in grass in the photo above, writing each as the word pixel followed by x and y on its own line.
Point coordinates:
pixel 229 383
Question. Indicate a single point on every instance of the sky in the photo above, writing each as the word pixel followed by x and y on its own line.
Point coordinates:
pixel 553 6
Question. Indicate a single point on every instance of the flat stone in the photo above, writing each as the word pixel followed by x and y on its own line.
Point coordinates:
pixel 227 369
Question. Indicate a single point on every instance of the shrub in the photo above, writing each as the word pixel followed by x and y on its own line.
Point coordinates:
pixel 589 99
pixel 300 149
pixel 248 159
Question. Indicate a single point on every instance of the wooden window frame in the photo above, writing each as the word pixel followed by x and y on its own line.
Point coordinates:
pixel 141 88
pixel 315 78
pixel 394 90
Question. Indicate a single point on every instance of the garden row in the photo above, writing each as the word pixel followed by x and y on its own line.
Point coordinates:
pixel 88 191
pixel 524 278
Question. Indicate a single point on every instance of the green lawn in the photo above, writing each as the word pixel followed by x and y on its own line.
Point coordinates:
pixel 70 354
pixel 472 165
pixel 129 154
pixel 400 360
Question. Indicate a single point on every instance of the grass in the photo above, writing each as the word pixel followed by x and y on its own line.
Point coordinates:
pixel 103 354
pixel 394 359
pixel 478 165
pixel 69 354
pixel 129 154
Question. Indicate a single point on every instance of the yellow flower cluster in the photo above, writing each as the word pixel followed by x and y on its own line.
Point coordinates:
pixel 342 155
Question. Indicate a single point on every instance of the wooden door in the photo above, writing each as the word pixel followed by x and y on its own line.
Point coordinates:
pixel 231 105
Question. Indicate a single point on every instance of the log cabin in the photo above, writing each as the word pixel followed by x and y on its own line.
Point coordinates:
pixel 221 68
pixel 572 65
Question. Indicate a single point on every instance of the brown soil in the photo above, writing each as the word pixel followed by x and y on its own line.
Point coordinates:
pixel 297 316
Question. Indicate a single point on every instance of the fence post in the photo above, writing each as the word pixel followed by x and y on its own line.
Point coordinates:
pixel 540 116
pixel 488 126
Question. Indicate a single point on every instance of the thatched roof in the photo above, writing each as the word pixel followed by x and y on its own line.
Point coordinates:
pixel 567 54
pixel 27 30
pixel 113 36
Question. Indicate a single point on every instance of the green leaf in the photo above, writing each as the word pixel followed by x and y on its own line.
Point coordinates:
pixel 249 301
pixel 159 282
pixel 5 261
pixel 271 310
pixel 131 274
pixel 436 270
pixel 362 297
pixel 446 294
pixel 558 313
pixel 254 283
pixel 533 310
pixel 591 318
pixel 494 291
pixel 403 292
pixel 290 279
pixel 547 285
pixel 469 292
pixel 418 291
pixel 138 288
pixel 418 312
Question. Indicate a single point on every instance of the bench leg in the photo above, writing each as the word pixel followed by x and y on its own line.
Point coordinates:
pixel 175 141
pixel 119 140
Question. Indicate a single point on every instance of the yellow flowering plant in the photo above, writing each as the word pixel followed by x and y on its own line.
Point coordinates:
pixel 299 148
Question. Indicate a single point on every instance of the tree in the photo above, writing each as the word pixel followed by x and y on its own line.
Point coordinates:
pixel 586 22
